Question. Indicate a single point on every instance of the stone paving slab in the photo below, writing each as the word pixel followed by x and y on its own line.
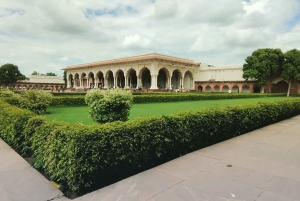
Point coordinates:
pixel 20 182
pixel 142 186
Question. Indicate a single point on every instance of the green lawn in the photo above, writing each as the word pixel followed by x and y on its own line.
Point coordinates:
pixel 81 114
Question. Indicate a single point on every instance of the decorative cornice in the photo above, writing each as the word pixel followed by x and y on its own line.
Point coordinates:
pixel 127 60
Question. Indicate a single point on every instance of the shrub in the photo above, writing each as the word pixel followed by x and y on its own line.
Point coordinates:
pixel 32 125
pixel 12 124
pixel 84 156
pixel 6 93
pixel 109 105
pixel 36 101
pixel 68 101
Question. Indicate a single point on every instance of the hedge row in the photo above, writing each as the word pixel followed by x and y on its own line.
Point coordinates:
pixel 69 94
pixel 68 100
pixel 13 121
pixel 194 97
pixel 83 156
pixel 79 100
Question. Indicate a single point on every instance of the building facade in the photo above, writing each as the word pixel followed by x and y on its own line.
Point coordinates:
pixel 37 82
pixel 158 72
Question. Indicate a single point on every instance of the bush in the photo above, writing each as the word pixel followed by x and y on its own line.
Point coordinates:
pixel 68 101
pixel 84 156
pixel 163 97
pixel 109 105
pixel 13 121
pixel 6 93
pixel 36 101
pixel 32 125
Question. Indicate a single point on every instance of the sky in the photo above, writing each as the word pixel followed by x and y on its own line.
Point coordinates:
pixel 46 36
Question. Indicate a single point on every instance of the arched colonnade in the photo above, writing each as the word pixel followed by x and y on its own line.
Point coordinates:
pixel 160 78
pixel 238 87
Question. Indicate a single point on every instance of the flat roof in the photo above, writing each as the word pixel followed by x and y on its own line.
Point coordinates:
pixel 134 58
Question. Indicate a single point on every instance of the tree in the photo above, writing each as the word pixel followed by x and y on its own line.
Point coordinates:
pixel 10 73
pixel 109 105
pixel 65 77
pixel 262 64
pixel 35 73
pixel 50 74
pixel 291 67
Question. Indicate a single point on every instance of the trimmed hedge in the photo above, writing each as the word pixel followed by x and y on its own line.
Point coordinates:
pixel 69 94
pixel 68 100
pixel 170 97
pixel 83 156
pixel 13 121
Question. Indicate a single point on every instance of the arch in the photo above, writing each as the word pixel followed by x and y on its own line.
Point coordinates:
pixel 245 89
pixel 175 80
pixel 132 78
pixel 235 88
pixel 145 77
pixel 76 80
pixel 256 89
pixel 217 88
pixel 225 88
pixel 109 76
pixel 200 88
pixel 120 78
pixel 163 78
pixel 71 80
pixel 91 80
pixel 83 79
pixel 99 79
pixel 207 88
pixel 278 79
pixel 188 80
pixel 280 87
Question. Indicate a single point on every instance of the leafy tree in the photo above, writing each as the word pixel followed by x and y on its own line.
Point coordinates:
pixel 291 67
pixel 10 73
pixel 36 101
pixel 35 73
pixel 109 105
pixel 51 74
pixel 262 64
pixel 65 77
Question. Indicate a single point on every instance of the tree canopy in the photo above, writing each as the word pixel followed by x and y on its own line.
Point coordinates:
pixel 50 74
pixel 47 74
pixel 34 73
pixel 65 77
pixel 291 67
pixel 262 64
pixel 10 73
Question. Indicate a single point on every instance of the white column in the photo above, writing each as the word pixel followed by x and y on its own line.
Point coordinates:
pixel 170 81
pixel 80 82
pixel 126 82
pixel 153 82
pixel 95 82
pixel 115 82
pixel 138 82
pixel 105 83
pixel 181 83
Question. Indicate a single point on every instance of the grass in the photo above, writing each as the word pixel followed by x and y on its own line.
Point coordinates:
pixel 81 114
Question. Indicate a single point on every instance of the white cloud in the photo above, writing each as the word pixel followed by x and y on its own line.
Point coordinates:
pixel 64 58
pixel 37 35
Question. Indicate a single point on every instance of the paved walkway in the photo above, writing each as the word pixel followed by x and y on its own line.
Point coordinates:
pixel 261 165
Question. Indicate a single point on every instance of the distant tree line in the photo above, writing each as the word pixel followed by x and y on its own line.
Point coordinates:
pixel 47 74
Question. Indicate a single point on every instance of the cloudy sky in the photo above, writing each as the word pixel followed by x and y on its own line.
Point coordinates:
pixel 46 36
